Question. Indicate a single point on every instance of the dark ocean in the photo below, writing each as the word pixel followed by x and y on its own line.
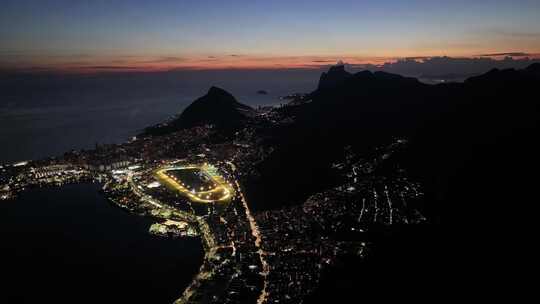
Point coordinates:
pixel 67 245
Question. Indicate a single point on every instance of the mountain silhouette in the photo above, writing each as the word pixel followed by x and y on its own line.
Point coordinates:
pixel 218 108
pixel 456 130
pixel 472 145
pixel 334 76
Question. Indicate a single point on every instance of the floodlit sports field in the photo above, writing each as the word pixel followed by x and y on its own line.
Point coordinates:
pixel 200 184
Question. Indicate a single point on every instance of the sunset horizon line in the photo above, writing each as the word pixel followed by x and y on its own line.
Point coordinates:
pixel 164 63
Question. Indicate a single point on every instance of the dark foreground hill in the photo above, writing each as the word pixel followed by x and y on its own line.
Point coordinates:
pixel 473 145
pixel 218 107
pixel 492 116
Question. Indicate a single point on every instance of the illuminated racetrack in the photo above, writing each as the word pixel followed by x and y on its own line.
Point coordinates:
pixel 198 183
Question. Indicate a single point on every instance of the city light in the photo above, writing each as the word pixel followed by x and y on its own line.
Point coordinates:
pixel 218 189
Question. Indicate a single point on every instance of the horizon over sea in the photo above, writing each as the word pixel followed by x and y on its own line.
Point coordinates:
pixel 47 115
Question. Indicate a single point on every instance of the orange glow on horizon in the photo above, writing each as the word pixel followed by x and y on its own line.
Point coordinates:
pixel 169 63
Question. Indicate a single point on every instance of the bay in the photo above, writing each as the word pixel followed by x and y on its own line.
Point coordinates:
pixel 70 245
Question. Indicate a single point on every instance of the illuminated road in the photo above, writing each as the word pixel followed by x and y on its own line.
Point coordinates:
pixel 257 234
pixel 141 194
pixel 207 270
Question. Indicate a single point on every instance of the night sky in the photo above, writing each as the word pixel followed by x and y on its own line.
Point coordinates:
pixel 117 34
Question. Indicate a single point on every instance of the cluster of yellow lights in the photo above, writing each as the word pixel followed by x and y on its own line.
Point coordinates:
pixel 203 195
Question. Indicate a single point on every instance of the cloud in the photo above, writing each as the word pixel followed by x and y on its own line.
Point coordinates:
pixel 165 59
pixel 511 54
pixel 418 58
pixel 110 67
pixel 434 67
